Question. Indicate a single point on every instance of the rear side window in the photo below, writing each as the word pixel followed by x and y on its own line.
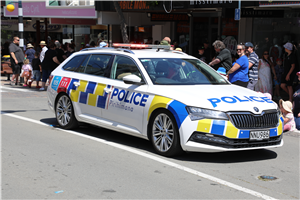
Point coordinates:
pixel 95 64
pixel 73 64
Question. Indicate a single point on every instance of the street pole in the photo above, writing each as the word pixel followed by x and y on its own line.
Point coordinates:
pixel 21 26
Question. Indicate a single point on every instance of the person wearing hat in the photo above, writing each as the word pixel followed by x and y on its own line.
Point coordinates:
pixel 287 114
pixel 253 65
pixel 201 55
pixel 103 44
pixel 44 49
pixel 29 53
pixel 296 104
pixel 289 66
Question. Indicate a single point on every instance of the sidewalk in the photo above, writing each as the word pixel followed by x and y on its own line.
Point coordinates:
pixel 6 82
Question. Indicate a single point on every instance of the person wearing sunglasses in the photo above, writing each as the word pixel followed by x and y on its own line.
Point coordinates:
pixel 16 58
pixel 265 65
pixel 238 74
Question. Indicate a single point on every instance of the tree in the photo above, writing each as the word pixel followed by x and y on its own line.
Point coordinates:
pixel 123 21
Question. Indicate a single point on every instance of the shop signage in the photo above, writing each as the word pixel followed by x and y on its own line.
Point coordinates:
pixel 213 4
pixel 262 13
pixel 73 21
pixel 38 9
pixel 169 17
pixel 278 3
pixel 49 27
pixel 133 5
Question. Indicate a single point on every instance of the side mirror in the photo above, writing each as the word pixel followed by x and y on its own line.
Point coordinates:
pixel 133 79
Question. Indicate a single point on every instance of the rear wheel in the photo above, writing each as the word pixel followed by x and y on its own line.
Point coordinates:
pixel 164 134
pixel 65 113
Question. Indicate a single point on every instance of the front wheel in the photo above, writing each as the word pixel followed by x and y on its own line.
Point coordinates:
pixel 65 113
pixel 164 134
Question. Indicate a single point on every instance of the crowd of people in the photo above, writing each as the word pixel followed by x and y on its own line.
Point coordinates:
pixel 37 64
pixel 263 74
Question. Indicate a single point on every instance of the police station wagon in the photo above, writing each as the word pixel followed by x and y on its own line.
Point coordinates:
pixel 168 97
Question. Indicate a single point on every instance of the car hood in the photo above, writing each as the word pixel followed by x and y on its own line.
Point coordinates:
pixel 216 97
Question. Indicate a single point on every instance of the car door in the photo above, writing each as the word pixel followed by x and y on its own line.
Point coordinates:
pixel 126 103
pixel 87 87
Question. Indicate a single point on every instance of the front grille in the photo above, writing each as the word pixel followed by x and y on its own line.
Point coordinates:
pixel 250 121
pixel 221 141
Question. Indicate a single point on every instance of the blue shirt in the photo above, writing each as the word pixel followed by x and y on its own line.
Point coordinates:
pixel 241 74
pixel 30 54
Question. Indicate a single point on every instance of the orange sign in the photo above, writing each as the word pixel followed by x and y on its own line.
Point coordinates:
pixel 133 5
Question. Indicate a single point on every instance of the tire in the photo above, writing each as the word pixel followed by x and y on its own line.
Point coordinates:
pixel 64 113
pixel 164 135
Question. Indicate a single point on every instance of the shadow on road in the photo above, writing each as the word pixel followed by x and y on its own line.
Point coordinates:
pixel 145 145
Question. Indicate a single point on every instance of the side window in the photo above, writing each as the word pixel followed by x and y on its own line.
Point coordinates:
pixel 95 65
pixel 73 64
pixel 123 66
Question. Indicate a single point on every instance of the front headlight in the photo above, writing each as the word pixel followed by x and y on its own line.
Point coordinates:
pixel 200 113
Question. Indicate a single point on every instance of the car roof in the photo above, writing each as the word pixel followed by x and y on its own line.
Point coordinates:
pixel 141 53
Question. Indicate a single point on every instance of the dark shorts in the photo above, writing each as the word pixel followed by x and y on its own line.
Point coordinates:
pixel 45 74
pixel 290 82
pixel 16 68
pixel 241 83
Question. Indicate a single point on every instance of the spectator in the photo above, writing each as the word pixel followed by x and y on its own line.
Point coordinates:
pixel 16 59
pixel 178 49
pixel 149 40
pixel 277 79
pixel 87 46
pixel 223 56
pixel 238 74
pixel 49 64
pixel 264 83
pixel 27 73
pixel 253 65
pixel 296 104
pixel 59 51
pixel 289 65
pixel 201 50
pixel 44 49
pixel 287 114
pixel 92 44
pixel 70 50
pixel 208 54
pixel 82 46
pixel 29 53
pixel 37 69
pixel 156 42
pixel 103 44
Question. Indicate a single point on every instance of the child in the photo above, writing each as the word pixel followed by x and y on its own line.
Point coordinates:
pixel 286 109
pixel 277 79
pixel 37 69
pixel 27 71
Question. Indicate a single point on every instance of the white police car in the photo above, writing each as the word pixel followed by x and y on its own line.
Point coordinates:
pixel 173 99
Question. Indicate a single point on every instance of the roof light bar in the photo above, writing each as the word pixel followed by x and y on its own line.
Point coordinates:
pixel 142 46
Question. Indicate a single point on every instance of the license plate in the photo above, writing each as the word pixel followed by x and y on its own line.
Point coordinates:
pixel 259 135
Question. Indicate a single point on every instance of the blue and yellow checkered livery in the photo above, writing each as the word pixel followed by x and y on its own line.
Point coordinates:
pixel 88 92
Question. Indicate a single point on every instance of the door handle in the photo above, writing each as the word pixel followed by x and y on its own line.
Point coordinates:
pixel 107 90
pixel 76 84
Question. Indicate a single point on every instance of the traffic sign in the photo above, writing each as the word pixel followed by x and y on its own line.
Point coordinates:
pixel 237 14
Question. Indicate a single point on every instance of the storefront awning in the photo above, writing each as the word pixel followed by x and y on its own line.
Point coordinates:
pixel 39 9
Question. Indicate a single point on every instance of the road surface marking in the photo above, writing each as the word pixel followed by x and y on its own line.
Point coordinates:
pixel 16 89
pixel 152 157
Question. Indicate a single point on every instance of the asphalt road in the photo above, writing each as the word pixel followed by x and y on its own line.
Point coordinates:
pixel 41 161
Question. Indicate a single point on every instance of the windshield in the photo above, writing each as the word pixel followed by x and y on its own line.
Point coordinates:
pixel 177 71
